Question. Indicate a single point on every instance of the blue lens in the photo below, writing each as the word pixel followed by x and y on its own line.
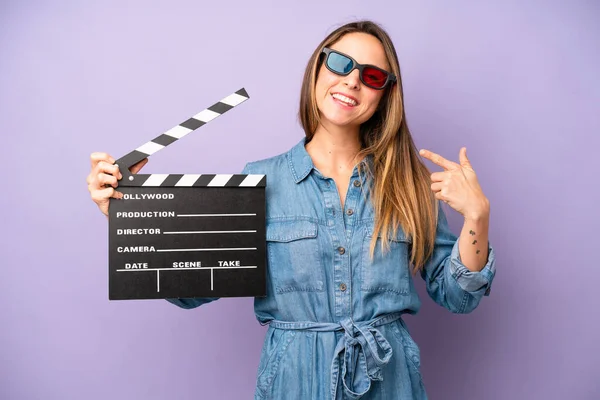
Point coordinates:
pixel 339 63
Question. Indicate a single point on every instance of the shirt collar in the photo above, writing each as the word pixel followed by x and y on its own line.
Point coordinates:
pixel 301 164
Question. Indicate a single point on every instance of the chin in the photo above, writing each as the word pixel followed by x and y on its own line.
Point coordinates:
pixel 340 123
pixel 338 120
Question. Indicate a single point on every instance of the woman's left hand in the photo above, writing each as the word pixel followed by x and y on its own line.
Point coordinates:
pixel 458 186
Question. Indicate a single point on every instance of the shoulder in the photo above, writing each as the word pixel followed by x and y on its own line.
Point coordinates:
pixel 276 164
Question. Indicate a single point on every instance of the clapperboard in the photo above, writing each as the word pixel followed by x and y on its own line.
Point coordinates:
pixel 187 235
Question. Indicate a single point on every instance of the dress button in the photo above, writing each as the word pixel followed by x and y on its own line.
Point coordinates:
pixel 341 250
pixel 356 183
pixel 343 287
pixel 350 212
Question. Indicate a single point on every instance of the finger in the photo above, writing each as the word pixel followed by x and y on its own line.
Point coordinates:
pixel 107 168
pixel 462 156
pixel 105 179
pixel 102 195
pixel 437 159
pixel 436 187
pixel 440 196
pixel 95 158
pixel 439 176
pixel 135 168
pixel 116 194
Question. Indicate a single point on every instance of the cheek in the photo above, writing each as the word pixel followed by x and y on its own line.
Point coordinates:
pixel 323 85
pixel 325 80
pixel 373 99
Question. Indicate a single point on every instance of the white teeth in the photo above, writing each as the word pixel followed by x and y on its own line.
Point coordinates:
pixel 344 99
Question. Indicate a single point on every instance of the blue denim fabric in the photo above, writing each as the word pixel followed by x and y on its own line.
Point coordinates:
pixel 335 327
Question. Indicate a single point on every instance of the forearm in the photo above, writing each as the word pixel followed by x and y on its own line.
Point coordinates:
pixel 473 241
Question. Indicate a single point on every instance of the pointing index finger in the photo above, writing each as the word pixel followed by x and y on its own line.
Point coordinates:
pixel 437 159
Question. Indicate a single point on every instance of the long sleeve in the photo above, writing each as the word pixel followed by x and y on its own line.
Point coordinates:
pixel 192 302
pixel 448 281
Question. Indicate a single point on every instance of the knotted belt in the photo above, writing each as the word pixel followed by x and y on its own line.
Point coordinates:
pixel 363 351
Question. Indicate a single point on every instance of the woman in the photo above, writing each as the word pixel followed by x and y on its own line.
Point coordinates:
pixel 352 214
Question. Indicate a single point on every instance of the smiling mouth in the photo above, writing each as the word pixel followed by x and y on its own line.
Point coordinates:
pixel 345 100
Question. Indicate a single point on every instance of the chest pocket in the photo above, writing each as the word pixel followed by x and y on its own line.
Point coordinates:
pixel 294 256
pixel 387 271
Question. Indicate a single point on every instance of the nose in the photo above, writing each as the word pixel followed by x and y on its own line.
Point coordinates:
pixel 352 80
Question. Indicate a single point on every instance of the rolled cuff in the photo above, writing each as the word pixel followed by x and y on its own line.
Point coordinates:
pixel 475 283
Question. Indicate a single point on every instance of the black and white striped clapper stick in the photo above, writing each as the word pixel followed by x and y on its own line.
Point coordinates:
pixel 187 235
pixel 176 133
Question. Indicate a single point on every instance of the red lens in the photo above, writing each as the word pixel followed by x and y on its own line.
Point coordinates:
pixel 374 77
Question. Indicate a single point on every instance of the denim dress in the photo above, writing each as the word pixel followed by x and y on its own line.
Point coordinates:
pixel 334 314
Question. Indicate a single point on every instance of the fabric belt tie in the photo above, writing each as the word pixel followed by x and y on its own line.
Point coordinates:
pixel 363 351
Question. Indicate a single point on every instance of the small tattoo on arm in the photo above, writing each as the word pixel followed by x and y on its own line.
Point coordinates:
pixel 474 241
pixel 471 232
pixel 478 251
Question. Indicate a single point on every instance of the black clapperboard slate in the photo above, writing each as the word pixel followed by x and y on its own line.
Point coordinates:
pixel 187 235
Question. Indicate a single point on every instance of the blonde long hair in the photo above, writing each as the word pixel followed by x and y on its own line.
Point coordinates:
pixel 401 194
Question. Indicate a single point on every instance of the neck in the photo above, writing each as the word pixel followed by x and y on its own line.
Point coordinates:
pixel 334 149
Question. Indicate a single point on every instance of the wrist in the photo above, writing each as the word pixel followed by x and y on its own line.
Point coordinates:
pixel 479 213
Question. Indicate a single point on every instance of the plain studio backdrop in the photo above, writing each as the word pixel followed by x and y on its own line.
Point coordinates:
pixel 515 82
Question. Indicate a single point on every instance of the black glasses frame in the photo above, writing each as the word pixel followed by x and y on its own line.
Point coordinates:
pixel 360 67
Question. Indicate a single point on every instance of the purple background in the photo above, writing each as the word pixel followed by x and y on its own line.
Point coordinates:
pixel 515 83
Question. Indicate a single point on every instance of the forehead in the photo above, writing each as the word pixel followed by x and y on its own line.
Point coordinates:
pixel 364 48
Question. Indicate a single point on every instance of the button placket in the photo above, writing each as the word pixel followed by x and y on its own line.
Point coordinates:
pixel 330 200
pixel 351 198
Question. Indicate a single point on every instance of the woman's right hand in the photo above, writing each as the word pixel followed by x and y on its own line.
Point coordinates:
pixel 103 179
